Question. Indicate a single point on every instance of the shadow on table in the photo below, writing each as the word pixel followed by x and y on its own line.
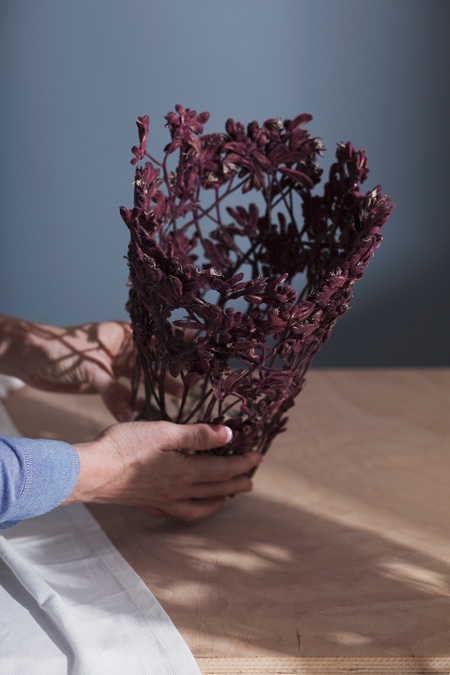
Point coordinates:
pixel 73 418
pixel 277 575
pixel 263 578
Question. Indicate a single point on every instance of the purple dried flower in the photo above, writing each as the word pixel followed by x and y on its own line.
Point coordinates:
pixel 292 259
pixel 143 124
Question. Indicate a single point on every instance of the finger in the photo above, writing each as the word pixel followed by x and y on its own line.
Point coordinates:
pixel 209 468
pixel 117 399
pixel 221 488
pixel 155 512
pixel 195 437
pixel 191 509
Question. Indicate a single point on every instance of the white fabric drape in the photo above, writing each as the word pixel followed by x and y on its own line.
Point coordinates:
pixel 70 604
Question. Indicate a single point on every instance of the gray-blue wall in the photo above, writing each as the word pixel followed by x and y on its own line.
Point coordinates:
pixel 75 74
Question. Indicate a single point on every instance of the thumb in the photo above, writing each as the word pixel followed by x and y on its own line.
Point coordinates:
pixel 117 399
pixel 196 437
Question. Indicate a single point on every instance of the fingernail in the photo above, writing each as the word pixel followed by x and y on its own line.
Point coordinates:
pixel 229 435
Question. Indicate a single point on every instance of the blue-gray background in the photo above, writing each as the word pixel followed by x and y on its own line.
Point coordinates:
pixel 76 74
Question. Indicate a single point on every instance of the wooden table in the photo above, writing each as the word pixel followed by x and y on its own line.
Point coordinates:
pixel 338 561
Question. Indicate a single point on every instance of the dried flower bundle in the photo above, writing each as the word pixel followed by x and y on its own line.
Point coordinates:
pixel 289 262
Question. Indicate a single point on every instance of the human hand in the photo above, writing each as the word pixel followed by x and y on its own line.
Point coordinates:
pixel 85 358
pixel 139 464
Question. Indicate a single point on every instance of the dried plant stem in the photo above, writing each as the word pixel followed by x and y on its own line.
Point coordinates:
pixel 177 259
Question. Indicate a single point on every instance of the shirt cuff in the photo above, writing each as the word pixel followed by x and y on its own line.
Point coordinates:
pixel 49 469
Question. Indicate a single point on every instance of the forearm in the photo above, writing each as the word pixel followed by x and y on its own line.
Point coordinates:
pixel 13 338
pixel 86 358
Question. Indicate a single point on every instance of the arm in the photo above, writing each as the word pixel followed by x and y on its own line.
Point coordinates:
pixel 138 464
pixel 35 476
pixel 145 464
pixel 86 358
pixel 132 463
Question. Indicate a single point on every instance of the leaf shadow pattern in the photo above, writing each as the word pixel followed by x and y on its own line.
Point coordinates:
pixel 342 549
pixel 72 359
pixel 266 578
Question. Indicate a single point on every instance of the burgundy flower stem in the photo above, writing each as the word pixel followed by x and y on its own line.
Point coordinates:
pixel 198 407
pixel 245 257
pixel 221 199
pixel 283 199
pixel 198 229
pixel 208 216
pixel 162 389
pixel 135 378
pixel 219 217
pixel 184 398
pixel 154 160
pixel 148 407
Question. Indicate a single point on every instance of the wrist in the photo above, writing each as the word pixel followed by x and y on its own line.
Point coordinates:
pixel 83 487
pixel 96 474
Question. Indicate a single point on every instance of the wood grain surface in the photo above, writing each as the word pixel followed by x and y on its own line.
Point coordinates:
pixel 305 666
pixel 342 550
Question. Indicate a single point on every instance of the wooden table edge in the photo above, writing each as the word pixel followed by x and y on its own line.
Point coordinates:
pixel 324 666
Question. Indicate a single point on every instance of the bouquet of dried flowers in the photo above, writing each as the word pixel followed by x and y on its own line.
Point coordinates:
pixel 235 300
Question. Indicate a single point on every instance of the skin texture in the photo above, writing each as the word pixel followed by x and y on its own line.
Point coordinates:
pixel 83 359
pixel 145 464
pixel 149 465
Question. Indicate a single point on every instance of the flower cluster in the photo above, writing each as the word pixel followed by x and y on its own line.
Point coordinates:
pixel 235 300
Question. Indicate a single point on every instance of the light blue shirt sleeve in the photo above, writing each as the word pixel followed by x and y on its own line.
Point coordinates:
pixel 35 477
